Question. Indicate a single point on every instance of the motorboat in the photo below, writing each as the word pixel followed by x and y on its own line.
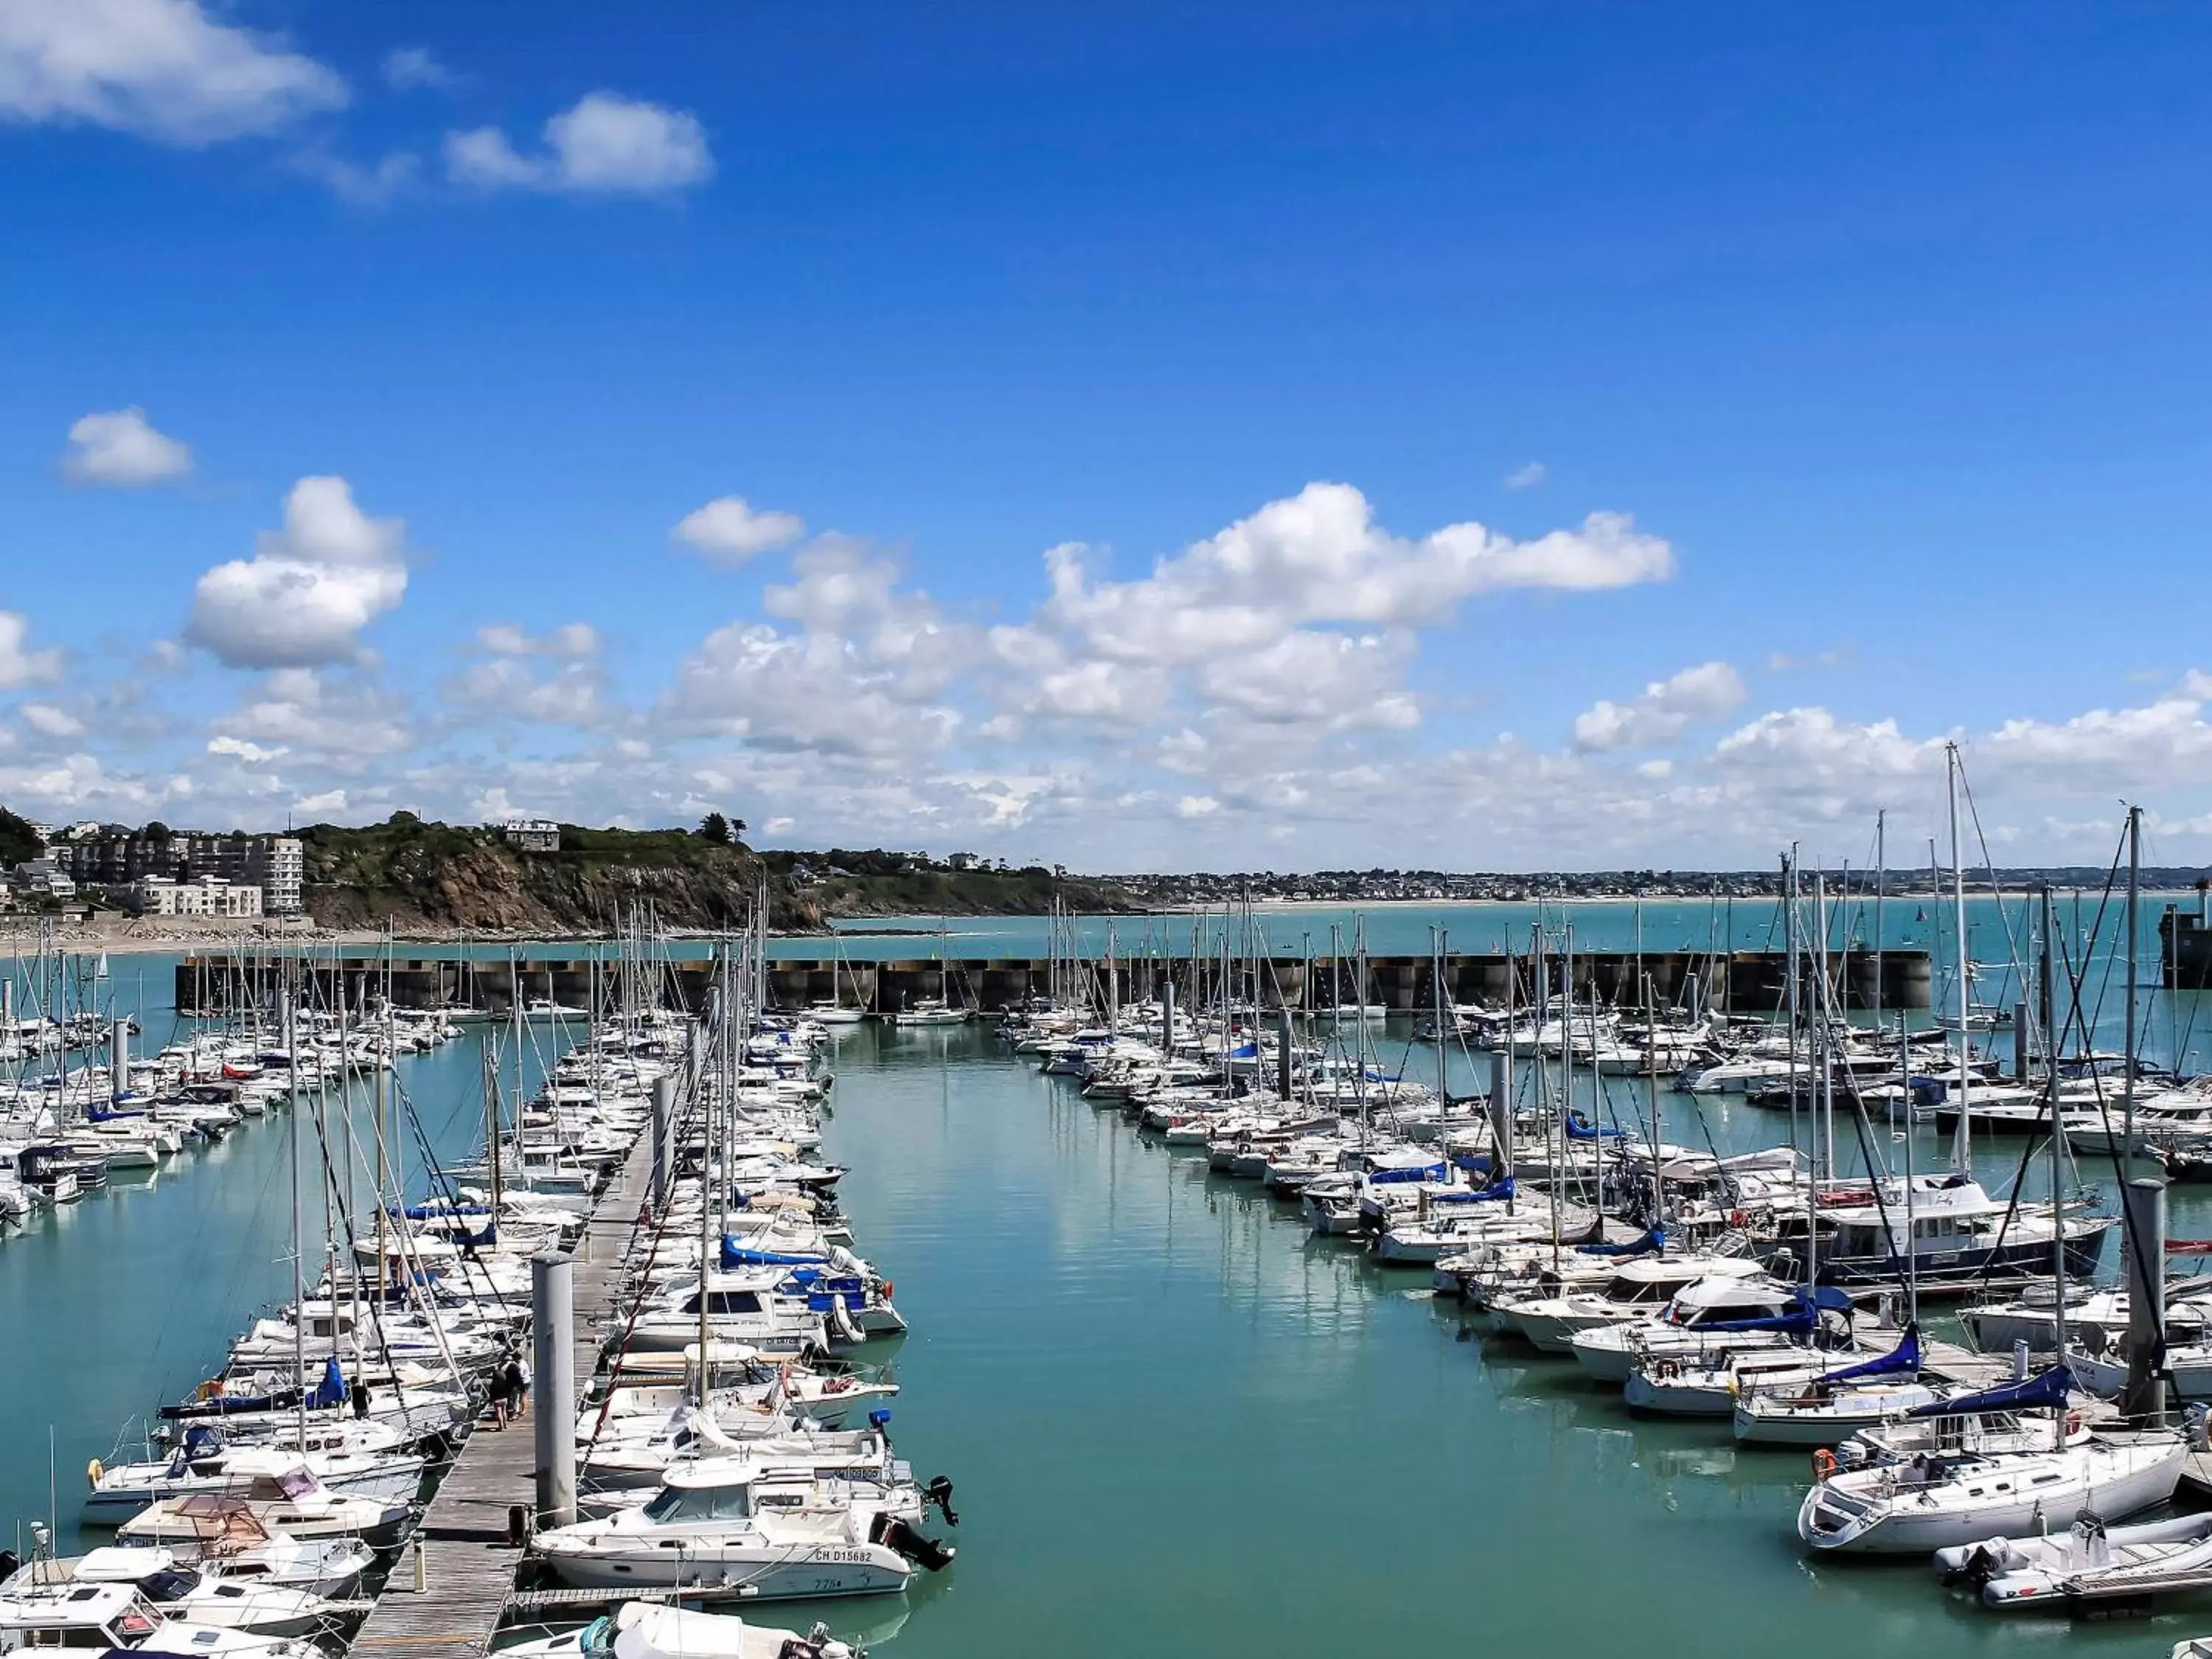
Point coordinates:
pixel 2046 1569
pixel 730 1528
pixel 647 1630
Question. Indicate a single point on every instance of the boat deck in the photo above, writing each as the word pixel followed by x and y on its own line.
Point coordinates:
pixel 453 1583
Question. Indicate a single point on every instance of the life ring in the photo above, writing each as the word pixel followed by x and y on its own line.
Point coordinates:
pixel 93 1470
pixel 2073 1423
pixel 1824 1464
pixel 1738 1218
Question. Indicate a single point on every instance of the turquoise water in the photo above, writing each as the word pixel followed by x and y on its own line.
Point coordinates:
pixel 130 1297
pixel 1177 1424
pixel 1181 1424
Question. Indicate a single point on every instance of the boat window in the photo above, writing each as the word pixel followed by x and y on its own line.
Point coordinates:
pixel 168 1586
pixel 733 1302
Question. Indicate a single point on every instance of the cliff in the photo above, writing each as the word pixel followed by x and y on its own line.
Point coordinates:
pixel 428 878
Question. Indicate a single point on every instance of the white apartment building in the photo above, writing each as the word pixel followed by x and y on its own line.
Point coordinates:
pixel 209 896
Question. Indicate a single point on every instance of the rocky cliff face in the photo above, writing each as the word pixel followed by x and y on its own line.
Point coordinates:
pixel 497 890
pixel 431 879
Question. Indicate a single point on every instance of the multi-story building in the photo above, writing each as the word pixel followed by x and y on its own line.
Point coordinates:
pixel 120 858
pixel 47 875
pixel 209 896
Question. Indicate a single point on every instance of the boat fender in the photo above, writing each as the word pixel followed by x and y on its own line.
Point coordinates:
pixel 93 1470
pixel 1738 1218
pixel 2073 1423
pixel 1824 1464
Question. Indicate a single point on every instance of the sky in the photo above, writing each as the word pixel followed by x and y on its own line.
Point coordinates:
pixel 1508 436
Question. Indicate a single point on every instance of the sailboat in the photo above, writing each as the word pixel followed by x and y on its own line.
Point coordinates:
pixel 1933 1500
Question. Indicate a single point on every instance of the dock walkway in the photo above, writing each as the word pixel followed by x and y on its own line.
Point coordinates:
pixel 452 1584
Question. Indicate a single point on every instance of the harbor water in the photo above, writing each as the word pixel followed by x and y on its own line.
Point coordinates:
pixel 1178 1424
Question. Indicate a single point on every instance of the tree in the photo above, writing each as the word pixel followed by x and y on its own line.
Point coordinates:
pixel 19 842
pixel 157 832
pixel 714 827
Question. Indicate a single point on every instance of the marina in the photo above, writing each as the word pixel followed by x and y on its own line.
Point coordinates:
pixel 996 1177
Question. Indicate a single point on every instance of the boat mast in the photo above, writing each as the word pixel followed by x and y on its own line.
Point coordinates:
pixel 298 1264
pixel 1911 1239
pixel 2134 884
pixel 1789 993
pixel 2057 1144
pixel 1962 1140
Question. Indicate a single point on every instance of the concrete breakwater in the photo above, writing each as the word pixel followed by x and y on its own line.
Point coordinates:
pixel 1739 982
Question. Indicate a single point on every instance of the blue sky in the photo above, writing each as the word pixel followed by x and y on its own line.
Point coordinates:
pixel 1882 327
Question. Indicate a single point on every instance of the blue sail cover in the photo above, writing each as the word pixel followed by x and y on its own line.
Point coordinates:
pixel 331 1390
pixel 1494 1191
pixel 1904 1360
pixel 1652 1241
pixel 2048 1388
pixel 1407 1177
pixel 1579 1128
pixel 735 1254
pixel 427 1213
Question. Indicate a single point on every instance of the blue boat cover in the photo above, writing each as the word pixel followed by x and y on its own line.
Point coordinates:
pixel 1903 1360
pixel 1408 1176
pixel 1654 1240
pixel 331 1390
pixel 1579 1128
pixel 735 1254
pixel 2046 1388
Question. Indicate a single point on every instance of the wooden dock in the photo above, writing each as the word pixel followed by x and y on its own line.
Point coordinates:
pixel 452 1582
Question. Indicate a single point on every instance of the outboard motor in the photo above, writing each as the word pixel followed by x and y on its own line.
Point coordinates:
pixel 939 1492
pixel 918 1547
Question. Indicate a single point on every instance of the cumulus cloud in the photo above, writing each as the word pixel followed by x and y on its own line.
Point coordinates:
pixel 341 721
pixel 119 447
pixel 304 598
pixel 238 749
pixel 556 677
pixel 728 531
pixel 360 183
pixel 604 145
pixel 1319 556
pixel 410 69
pixel 1527 476
pixel 49 721
pixel 1666 710
pixel 20 665
pixel 164 70
pixel 571 640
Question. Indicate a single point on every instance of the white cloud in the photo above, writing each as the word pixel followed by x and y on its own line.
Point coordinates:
pixel 570 640
pixel 604 145
pixel 331 801
pixel 1667 709
pixel 20 665
pixel 1527 476
pixel 48 721
pixel 1335 682
pixel 252 753
pixel 119 447
pixel 1319 557
pixel 409 69
pixel 309 590
pixel 727 530
pixel 336 720
pixel 162 68
pixel 369 184
pixel 506 687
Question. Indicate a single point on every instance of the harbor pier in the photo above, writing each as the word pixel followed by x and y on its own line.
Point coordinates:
pixel 1733 982
pixel 454 1580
